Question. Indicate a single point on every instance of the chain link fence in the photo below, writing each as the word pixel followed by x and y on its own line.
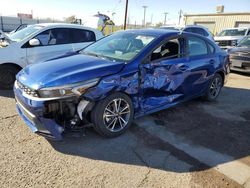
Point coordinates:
pixel 8 23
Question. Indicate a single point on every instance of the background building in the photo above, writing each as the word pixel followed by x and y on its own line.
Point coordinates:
pixel 218 21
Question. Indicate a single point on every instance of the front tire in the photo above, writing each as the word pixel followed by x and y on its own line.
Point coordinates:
pixel 7 76
pixel 214 88
pixel 113 115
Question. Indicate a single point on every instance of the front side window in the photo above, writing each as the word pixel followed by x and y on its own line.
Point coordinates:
pixel 121 46
pixel 81 35
pixel 54 37
pixel 197 46
pixel 168 50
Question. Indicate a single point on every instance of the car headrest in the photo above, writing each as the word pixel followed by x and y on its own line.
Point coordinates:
pixel 169 49
pixel 169 45
pixel 137 43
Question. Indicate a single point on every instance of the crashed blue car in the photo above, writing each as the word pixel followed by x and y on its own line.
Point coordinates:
pixel 120 77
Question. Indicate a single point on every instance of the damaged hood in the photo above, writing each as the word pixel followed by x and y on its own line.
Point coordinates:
pixel 227 38
pixel 67 70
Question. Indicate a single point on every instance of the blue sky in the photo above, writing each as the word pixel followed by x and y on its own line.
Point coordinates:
pixel 59 9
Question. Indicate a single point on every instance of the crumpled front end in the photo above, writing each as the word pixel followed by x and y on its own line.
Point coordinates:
pixel 32 112
pixel 50 117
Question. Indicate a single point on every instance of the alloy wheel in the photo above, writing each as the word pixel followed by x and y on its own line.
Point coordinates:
pixel 215 87
pixel 116 115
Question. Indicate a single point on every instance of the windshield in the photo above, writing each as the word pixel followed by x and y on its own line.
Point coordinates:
pixel 233 32
pixel 24 33
pixel 245 42
pixel 121 46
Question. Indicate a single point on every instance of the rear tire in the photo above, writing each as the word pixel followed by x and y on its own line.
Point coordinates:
pixel 113 115
pixel 214 88
pixel 8 76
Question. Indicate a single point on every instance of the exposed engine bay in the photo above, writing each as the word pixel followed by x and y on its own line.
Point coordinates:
pixel 69 113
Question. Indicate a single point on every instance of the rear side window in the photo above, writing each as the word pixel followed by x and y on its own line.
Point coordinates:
pixel 211 48
pixel 197 46
pixel 81 35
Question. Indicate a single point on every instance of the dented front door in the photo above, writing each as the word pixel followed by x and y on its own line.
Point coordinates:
pixel 163 83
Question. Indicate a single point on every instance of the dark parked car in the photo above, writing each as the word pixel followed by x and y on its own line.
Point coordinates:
pixel 197 29
pixel 120 77
pixel 240 56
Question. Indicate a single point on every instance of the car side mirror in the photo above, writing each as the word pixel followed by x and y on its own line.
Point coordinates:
pixel 34 42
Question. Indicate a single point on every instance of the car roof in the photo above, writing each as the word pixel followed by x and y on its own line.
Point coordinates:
pixel 67 25
pixel 154 32
pixel 197 26
pixel 161 32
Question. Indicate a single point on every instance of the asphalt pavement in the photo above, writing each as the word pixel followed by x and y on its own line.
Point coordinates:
pixel 195 144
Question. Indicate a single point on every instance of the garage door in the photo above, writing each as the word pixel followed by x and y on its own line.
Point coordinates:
pixel 242 24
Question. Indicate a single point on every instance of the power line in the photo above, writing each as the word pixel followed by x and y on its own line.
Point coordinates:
pixel 180 15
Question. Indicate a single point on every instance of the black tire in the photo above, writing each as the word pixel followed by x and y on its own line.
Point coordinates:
pixel 214 88
pixel 101 121
pixel 8 76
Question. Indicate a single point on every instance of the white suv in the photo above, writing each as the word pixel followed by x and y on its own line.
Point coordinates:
pixel 231 37
pixel 39 43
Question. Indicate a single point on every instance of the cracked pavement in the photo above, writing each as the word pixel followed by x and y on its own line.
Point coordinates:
pixel 166 149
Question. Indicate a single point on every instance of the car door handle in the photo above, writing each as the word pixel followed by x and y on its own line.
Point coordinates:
pixel 212 62
pixel 183 67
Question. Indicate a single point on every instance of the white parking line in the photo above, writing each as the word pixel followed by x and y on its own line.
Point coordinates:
pixel 225 164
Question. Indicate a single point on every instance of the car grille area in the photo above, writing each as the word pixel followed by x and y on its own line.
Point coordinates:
pixel 224 43
pixel 26 89
pixel 240 56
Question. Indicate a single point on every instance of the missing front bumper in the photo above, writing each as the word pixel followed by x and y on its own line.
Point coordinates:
pixel 45 127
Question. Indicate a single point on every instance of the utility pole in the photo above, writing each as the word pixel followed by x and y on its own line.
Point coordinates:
pixel 180 14
pixel 151 22
pixel 126 13
pixel 144 20
pixel 165 18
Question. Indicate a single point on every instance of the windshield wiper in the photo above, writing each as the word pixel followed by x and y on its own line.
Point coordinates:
pixel 97 55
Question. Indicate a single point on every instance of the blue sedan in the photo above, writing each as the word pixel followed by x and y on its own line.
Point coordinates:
pixel 120 77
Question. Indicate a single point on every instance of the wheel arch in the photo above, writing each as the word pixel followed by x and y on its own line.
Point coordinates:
pixel 12 64
pixel 222 74
pixel 92 104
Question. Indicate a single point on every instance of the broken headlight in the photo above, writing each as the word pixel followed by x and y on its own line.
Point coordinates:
pixel 76 89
